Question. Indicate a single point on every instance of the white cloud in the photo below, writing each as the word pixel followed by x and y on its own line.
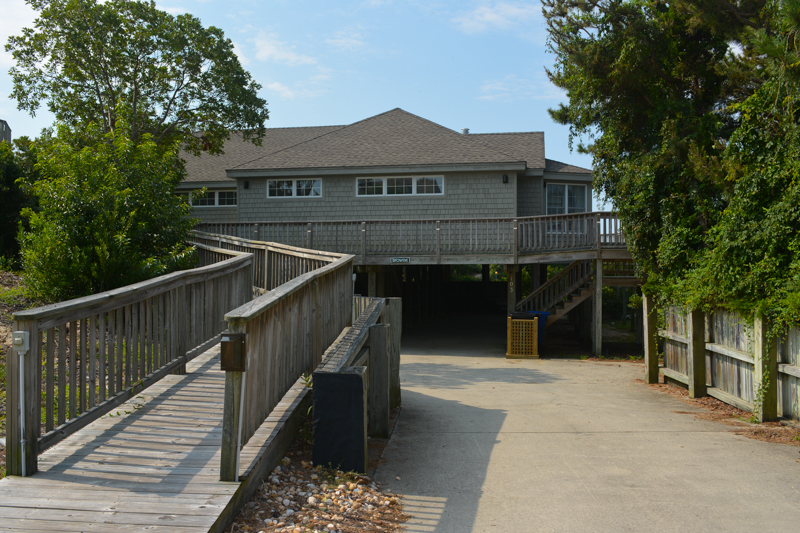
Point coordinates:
pixel 497 16
pixel 16 15
pixel 512 88
pixel 281 89
pixel 269 48
pixel 288 93
pixel 345 40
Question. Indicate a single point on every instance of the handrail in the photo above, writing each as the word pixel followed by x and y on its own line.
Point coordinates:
pixel 275 263
pixel 555 289
pixel 287 330
pixel 89 355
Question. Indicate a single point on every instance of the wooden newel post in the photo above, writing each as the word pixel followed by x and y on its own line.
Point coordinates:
pixel 696 353
pixel 23 396
pixel 765 373
pixel 233 360
pixel 650 339
pixel 378 395
pixel 597 339
pixel 393 316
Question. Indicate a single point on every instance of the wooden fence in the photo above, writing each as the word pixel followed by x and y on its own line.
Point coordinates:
pixel 735 357
pixel 287 330
pixel 509 237
pixel 87 356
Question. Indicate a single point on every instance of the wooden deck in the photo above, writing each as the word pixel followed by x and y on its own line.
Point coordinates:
pixel 150 465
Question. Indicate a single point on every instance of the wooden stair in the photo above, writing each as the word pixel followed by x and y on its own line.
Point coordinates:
pixel 571 302
pixel 561 293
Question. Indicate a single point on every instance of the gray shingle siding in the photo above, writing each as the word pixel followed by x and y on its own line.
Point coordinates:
pixel 529 196
pixel 215 214
pixel 469 195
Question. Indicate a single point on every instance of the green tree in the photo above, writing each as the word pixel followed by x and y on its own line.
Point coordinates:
pixel 88 59
pixel 107 214
pixel 752 256
pixel 691 113
pixel 13 198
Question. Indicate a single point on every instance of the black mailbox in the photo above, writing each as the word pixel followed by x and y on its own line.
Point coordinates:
pixel 233 355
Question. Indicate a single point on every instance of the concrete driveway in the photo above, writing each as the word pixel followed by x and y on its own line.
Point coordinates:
pixel 486 444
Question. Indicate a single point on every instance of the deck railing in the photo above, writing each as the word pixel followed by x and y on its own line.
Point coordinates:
pixel 287 331
pixel 274 264
pixel 437 238
pixel 86 356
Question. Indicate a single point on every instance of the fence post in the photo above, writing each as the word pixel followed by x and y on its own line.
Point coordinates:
pixel 393 316
pixel 650 339
pixel 231 416
pixel 696 353
pixel 23 397
pixel 765 373
pixel 378 399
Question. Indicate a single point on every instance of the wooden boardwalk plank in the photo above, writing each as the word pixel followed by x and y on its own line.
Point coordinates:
pixel 151 465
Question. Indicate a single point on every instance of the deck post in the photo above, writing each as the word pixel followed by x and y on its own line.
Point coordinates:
pixel 696 353
pixel 765 372
pixel 310 237
pixel 231 417
pixel 438 242
pixel 597 341
pixel 515 244
pixel 393 316
pixel 372 281
pixel 378 391
pixel 650 340
pixel 23 397
pixel 511 274
pixel 363 243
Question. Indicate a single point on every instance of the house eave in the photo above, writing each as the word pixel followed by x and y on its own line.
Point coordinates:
pixel 377 170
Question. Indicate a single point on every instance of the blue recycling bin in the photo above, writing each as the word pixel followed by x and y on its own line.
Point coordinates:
pixel 530 315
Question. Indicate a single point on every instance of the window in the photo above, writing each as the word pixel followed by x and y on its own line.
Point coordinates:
pixel 400 186
pixel 226 198
pixel 215 198
pixel 370 187
pixel 565 199
pixel 294 188
pixel 309 188
pixel 429 185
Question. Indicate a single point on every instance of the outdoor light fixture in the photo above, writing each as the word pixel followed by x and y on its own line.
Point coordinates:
pixel 505 178
pixel 233 355
pixel 246 184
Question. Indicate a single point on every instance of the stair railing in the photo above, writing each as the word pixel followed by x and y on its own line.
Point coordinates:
pixel 555 289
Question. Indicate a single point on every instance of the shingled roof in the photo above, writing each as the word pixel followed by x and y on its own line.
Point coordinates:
pixel 210 168
pixel 528 146
pixel 563 168
pixel 393 138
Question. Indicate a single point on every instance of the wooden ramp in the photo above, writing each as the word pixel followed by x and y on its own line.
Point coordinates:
pixel 151 465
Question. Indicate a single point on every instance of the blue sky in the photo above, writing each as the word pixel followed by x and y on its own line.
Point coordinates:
pixel 463 64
